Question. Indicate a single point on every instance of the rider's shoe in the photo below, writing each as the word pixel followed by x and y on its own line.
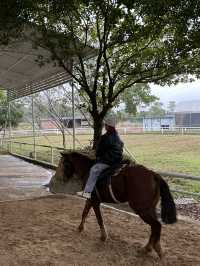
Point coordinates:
pixel 79 193
pixel 86 195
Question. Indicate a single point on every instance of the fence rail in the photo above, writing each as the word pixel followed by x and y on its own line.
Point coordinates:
pixel 122 130
pixel 42 153
pixel 51 155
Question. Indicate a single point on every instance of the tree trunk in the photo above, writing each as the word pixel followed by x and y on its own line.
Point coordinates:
pixel 98 126
pixel 63 139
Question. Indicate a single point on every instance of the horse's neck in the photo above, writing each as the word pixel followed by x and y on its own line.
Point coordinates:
pixel 82 167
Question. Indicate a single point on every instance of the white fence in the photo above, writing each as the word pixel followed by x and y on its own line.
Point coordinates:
pixel 89 131
pixel 39 132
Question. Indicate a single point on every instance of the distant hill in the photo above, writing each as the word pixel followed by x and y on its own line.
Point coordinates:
pixel 188 106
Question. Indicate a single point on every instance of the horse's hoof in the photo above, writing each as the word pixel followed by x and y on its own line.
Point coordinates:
pixel 159 251
pixel 145 250
pixel 104 238
pixel 80 228
pixel 163 261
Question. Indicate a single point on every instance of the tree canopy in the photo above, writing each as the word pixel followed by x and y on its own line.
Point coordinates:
pixel 156 109
pixel 136 95
pixel 171 106
pixel 131 42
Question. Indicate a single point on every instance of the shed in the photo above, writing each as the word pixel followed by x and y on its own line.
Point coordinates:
pixel 156 123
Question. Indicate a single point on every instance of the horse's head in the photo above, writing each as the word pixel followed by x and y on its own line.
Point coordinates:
pixel 73 170
pixel 75 164
pixel 67 178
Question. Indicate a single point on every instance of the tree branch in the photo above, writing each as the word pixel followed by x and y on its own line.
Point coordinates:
pixel 77 105
pixel 126 61
pixel 143 80
pixel 98 61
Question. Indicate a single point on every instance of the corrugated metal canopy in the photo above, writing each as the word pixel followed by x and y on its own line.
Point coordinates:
pixel 21 75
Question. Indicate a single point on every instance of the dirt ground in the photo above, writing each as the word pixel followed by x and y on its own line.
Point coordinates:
pixel 43 232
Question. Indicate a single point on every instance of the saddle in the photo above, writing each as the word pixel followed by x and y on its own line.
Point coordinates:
pixel 112 170
pixel 104 181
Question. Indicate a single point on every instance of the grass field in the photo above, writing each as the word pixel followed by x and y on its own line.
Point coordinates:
pixel 175 153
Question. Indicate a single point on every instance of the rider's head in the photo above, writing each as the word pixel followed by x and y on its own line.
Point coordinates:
pixel 110 123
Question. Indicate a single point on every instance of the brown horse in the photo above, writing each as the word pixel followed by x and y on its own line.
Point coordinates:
pixel 135 184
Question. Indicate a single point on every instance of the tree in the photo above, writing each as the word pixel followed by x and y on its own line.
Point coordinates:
pixel 131 47
pixel 56 104
pixel 136 95
pixel 16 112
pixel 171 106
pixel 14 15
pixel 54 110
pixel 130 42
pixel 157 109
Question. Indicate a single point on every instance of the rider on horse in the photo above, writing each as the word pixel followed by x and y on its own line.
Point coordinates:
pixel 109 152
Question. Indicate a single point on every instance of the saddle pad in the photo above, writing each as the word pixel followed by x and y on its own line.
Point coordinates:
pixel 112 170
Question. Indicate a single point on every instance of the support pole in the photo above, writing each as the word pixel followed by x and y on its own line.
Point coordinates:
pixel 33 126
pixel 73 115
pixel 73 109
pixel 9 126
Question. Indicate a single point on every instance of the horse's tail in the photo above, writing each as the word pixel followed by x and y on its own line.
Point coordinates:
pixel 168 207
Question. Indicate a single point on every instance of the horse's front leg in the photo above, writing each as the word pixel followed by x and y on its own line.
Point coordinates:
pixel 86 210
pixel 96 207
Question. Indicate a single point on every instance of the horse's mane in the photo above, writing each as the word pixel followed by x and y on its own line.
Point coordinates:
pixel 81 155
pixel 91 158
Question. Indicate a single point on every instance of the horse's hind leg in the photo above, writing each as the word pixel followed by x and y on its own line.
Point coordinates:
pixel 96 207
pixel 86 210
pixel 149 217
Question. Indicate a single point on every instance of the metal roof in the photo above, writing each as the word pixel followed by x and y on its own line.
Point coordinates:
pixel 21 75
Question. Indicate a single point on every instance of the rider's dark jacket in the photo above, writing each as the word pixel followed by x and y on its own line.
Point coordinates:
pixel 110 148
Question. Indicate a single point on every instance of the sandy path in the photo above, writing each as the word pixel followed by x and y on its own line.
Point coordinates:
pixel 43 232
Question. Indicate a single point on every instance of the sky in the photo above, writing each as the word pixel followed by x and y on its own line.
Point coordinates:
pixel 178 93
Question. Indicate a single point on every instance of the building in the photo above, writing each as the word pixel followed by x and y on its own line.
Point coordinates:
pixel 47 124
pixel 156 123
pixel 79 121
pixel 187 114
pixel 187 119
pixel 67 121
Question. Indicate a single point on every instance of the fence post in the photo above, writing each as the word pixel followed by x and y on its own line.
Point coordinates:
pixel 11 146
pixel 9 120
pixel 52 160
pixel 20 148
pixel 33 126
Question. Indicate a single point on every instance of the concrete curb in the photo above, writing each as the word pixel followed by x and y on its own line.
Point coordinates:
pixel 36 162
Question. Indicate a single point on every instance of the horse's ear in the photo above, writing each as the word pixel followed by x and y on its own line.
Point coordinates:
pixel 64 154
